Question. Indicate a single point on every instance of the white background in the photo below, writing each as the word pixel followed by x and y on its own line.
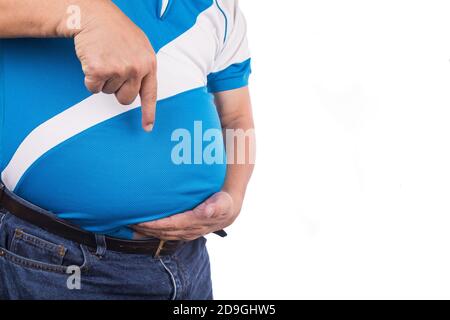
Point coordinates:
pixel 351 194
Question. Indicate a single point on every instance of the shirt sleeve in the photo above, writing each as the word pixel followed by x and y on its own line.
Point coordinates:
pixel 232 66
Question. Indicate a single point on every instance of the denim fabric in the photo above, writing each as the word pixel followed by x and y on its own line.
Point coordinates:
pixel 35 264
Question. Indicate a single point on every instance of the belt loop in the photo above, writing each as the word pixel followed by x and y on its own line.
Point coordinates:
pixel 101 245
pixel 2 190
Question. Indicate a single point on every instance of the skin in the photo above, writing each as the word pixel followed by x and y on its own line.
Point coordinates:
pixel 125 65
pixel 115 55
pixel 223 208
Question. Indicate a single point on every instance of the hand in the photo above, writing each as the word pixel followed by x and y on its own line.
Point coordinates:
pixel 116 57
pixel 216 213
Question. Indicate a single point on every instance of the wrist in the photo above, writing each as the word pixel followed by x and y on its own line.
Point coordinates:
pixel 69 18
pixel 74 15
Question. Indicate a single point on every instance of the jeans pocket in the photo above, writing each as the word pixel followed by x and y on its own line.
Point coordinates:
pixel 34 248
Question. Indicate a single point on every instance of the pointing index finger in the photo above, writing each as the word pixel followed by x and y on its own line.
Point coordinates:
pixel 148 95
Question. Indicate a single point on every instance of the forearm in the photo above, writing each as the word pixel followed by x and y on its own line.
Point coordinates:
pixel 238 126
pixel 238 176
pixel 38 18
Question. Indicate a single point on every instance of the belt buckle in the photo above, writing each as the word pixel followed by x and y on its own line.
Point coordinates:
pixel 160 247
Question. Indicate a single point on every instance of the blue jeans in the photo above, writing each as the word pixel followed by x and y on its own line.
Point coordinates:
pixel 35 264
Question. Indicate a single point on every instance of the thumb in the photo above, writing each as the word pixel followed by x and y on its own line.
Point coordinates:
pixel 217 204
pixel 205 210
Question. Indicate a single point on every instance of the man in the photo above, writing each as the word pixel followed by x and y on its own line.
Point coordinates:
pixel 94 207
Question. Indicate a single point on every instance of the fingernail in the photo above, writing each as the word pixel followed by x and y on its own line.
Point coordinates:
pixel 148 127
pixel 209 211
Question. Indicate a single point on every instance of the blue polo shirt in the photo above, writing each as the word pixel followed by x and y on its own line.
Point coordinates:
pixel 85 157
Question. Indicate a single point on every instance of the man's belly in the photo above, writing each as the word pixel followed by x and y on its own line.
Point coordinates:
pixel 114 174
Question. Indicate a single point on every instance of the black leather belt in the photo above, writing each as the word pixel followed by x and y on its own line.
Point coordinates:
pixel 52 224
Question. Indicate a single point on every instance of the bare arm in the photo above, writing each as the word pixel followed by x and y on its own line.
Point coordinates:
pixel 33 18
pixel 236 115
pixel 115 55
